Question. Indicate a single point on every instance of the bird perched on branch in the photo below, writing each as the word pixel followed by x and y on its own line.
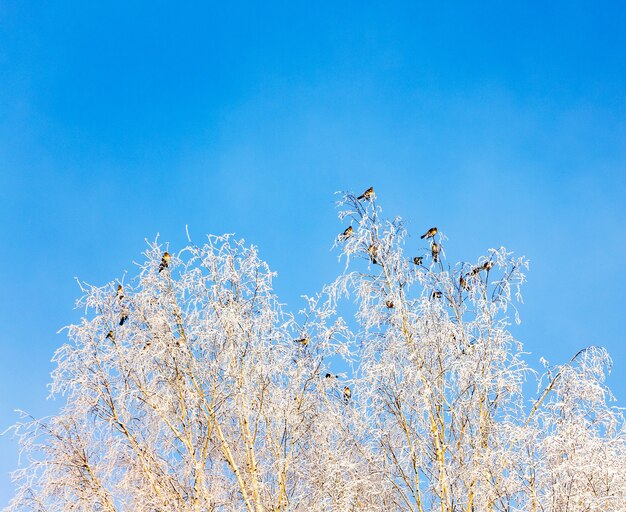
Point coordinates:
pixel 429 234
pixel 436 295
pixel 435 250
pixel 123 316
pixel 372 250
pixel 463 283
pixel 389 303
pixel 120 292
pixel 418 260
pixel 346 234
pixel 347 393
pixel 165 261
pixel 368 194
pixel 111 336
pixel 304 341
pixel 488 265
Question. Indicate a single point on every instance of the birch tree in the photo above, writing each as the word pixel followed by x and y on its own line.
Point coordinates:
pixel 191 387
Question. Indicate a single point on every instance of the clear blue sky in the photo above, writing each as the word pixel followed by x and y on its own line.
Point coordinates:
pixel 503 123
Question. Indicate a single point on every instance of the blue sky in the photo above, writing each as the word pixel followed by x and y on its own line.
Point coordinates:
pixel 503 123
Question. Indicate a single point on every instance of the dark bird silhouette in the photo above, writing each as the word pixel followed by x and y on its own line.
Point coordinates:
pixel 435 250
pixel 165 261
pixel 123 316
pixel 346 234
pixel 436 295
pixel 463 283
pixel 120 292
pixel 418 260
pixel 347 394
pixel 328 375
pixel 368 194
pixel 372 250
pixel 488 265
pixel 304 341
pixel 111 336
pixel 429 234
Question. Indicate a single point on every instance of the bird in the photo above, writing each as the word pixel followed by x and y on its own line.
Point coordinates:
pixel 463 283
pixel 372 250
pixel 429 234
pixel 346 234
pixel 436 295
pixel 488 265
pixel 469 347
pixel 123 316
pixel 304 341
pixel 165 261
pixel 389 303
pixel 418 260
pixel 120 292
pixel 328 375
pixel 435 249
pixel 368 194
pixel 347 393
pixel 111 336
